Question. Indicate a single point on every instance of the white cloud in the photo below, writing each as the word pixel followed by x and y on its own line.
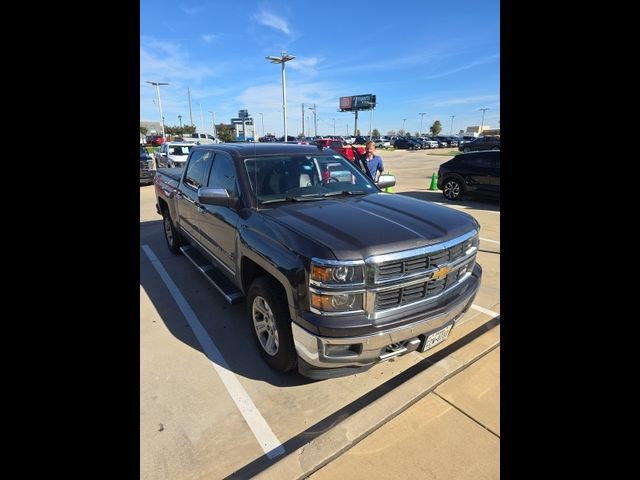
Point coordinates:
pixel 192 10
pixel 273 21
pixel 475 63
pixel 304 65
pixel 466 100
pixel 209 37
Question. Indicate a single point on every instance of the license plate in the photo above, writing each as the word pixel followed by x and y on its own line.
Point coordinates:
pixel 435 338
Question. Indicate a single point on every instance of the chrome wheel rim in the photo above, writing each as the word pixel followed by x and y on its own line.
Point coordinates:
pixel 167 230
pixel 451 189
pixel 265 325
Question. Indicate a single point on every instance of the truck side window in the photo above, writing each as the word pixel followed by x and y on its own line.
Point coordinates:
pixel 223 175
pixel 197 166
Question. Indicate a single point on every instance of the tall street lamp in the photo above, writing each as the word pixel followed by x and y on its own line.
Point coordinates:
pixel 214 122
pixel 282 60
pixel 421 117
pixel 482 122
pixel 157 85
pixel 262 118
pixel 451 129
pixel 403 120
pixel 180 119
pixel 315 119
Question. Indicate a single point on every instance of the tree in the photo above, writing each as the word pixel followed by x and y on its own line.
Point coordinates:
pixel 189 129
pixel 417 134
pixel 358 132
pixel 300 136
pixel 143 131
pixel 436 128
pixel 375 132
pixel 226 133
pixel 401 132
pixel 391 133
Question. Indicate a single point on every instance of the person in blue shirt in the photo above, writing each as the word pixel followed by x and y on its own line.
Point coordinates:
pixel 374 162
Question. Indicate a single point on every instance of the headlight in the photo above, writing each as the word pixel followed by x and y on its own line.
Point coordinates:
pixel 336 274
pixel 342 302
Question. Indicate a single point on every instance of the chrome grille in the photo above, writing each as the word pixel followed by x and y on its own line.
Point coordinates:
pixel 146 165
pixel 415 292
pixel 416 265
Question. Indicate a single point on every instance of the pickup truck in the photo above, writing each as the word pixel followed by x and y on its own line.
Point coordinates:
pixel 337 275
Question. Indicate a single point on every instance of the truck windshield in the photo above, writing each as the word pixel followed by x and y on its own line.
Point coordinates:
pixel 179 149
pixel 284 178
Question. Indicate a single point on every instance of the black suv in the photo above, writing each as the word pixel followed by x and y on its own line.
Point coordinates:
pixel 477 172
pixel 481 143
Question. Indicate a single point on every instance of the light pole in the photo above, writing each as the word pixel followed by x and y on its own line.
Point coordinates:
pixel 451 129
pixel 334 127
pixel 403 120
pixel 308 128
pixel 214 123
pixel 180 119
pixel 262 118
pixel 421 117
pixel 157 85
pixel 282 60
pixel 482 122
pixel 315 120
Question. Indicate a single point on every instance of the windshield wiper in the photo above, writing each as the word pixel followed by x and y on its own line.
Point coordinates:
pixel 301 198
pixel 344 192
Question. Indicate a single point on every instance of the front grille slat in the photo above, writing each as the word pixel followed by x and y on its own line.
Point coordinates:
pixel 412 267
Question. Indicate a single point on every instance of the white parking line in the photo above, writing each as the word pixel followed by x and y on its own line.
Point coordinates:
pixel 487 240
pixel 260 428
pixel 484 310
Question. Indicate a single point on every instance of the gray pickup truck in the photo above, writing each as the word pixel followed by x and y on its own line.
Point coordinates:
pixel 336 274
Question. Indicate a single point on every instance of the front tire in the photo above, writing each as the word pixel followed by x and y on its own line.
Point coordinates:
pixel 466 149
pixel 452 189
pixel 270 324
pixel 171 235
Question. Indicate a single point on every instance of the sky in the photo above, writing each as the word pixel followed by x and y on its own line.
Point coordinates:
pixel 418 56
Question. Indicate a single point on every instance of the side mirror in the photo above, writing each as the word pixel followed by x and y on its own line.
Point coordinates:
pixel 163 154
pixel 386 181
pixel 216 196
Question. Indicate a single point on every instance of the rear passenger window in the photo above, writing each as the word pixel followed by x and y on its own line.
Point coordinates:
pixel 196 169
pixel 223 174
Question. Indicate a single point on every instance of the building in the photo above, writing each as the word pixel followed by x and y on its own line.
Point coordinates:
pixel 244 128
pixel 153 128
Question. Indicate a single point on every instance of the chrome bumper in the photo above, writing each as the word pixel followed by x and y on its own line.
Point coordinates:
pixel 320 353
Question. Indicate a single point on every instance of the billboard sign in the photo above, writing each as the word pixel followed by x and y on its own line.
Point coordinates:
pixel 357 102
pixel 243 113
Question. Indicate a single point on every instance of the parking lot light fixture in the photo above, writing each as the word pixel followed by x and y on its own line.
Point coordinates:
pixel 451 129
pixel 421 117
pixel 285 57
pixel 482 122
pixel 157 85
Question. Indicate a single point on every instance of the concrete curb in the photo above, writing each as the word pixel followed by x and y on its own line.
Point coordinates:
pixel 323 449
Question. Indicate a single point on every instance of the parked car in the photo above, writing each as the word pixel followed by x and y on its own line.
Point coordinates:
pixel 382 142
pixel 481 143
pixel 336 276
pixel 154 140
pixel 173 154
pixel 476 172
pixel 147 166
pixel 406 143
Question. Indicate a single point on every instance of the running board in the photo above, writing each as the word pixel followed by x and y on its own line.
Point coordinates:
pixel 228 290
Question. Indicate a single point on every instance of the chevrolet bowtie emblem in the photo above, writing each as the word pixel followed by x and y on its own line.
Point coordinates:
pixel 441 273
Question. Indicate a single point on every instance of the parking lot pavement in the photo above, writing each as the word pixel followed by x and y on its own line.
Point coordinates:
pixel 191 427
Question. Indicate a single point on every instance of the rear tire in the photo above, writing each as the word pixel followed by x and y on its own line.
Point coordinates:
pixel 270 324
pixel 171 235
pixel 452 189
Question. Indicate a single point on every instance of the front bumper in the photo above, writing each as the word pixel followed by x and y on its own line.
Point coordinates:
pixel 324 357
pixel 147 176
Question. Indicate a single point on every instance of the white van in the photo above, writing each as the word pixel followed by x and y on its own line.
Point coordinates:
pixel 200 138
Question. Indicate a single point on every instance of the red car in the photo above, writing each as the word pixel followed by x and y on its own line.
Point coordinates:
pixel 155 140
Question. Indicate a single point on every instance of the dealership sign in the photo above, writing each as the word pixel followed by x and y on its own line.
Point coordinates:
pixel 357 102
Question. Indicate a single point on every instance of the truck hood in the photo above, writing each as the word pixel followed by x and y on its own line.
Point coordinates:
pixel 354 228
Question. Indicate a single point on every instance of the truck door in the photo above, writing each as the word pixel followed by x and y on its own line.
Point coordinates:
pixel 218 224
pixel 187 196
